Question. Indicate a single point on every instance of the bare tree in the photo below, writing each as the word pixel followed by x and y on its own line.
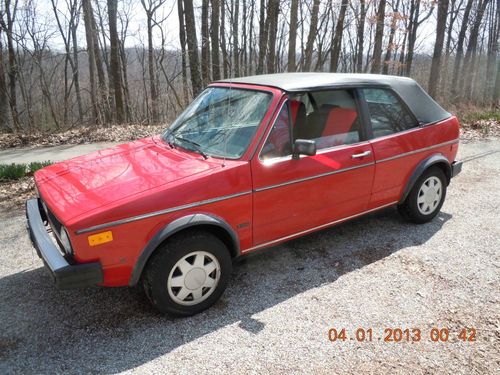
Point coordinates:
pixel 361 36
pixel 235 27
pixel 438 47
pixel 292 39
pixel 150 7
pixel 192 42
pixel 272 14
pixel 225 57
pixel 205 43
pixel 4 109
pixel 7 21
pixel 415 22
pixel 337 37
pixel 465 82
pixel 379 33
pixel 68 35
pixel 262 37
pixel 311 37
pixel 182 41
pixel 115 66
pixel 214 36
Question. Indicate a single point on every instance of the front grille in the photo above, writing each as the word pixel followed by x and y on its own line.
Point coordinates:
pixel 54 223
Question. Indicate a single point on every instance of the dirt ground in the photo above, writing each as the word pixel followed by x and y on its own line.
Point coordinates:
pixel 376 272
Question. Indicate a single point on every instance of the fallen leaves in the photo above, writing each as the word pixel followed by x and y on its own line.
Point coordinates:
pixel 90 134
pixel 15 193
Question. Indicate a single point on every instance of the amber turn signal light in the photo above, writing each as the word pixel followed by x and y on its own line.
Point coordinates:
pixel 100 238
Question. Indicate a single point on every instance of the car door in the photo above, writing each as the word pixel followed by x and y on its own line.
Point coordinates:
pixel 296 195
pixel 399 143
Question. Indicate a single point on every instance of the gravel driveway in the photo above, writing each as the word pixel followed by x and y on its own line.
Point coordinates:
pixel 375 272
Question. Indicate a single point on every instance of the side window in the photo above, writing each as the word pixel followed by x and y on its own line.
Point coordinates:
pixel 387 114
pixel 334 120
pixel 278 141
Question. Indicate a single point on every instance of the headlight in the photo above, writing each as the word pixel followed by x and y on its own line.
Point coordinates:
pixel 65 240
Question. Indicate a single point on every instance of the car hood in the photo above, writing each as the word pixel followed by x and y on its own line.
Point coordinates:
pixel 76 186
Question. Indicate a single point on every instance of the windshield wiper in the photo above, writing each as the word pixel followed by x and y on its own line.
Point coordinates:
pixel 193 143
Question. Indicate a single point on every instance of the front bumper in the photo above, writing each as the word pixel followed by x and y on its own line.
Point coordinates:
pixel 456 168
pixel 66 276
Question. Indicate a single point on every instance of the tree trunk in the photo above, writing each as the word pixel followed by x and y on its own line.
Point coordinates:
pixel 496 92
pixel 12 63
pixel 101 77
pixel 125 85
pixel 225 58
pixel 87 13
pixel 192 42
pixel 460 47
pixel 251 65
pixel 390 46
pixel 379 34
pixel 236 48
pixel 272 14
pixel 182 40
pixel 205 44
pixel 244 57
pixel 361 36
pixel 337 39
pixel 115 66
pixel 262 37
pixel 292 40
pixel 438 47
pixel 151 69
pixel 214 35
pixel 494 34
pixel 76 72
pixel 311 37
pixel 470 55
pixel 4 109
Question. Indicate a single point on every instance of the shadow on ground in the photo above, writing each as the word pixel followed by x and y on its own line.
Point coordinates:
pixel 111 330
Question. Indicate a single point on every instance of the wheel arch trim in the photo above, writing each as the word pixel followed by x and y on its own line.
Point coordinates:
pixel 423 166
pixel 182 223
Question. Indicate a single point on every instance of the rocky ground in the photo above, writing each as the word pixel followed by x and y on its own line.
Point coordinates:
pixel 376 272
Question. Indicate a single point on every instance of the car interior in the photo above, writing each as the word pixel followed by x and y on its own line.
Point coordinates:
pixel 328 117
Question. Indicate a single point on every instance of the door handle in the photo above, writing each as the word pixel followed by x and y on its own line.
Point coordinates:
pixel 362 155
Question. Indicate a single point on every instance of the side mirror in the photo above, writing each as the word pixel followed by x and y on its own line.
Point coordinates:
pixel 304 147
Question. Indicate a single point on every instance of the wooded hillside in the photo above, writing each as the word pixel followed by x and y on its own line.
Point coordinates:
pixel 67 63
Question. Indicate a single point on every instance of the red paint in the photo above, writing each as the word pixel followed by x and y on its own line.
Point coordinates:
pixel 147 176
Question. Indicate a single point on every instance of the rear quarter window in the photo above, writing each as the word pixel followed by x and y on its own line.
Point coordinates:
pixel 387 114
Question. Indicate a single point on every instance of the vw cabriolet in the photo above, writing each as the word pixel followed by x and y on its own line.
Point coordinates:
pixel 252 162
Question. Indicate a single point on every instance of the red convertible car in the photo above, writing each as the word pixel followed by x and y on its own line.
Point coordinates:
pixel 252 162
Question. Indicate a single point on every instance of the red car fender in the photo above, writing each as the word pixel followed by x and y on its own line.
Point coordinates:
pixel 198 220
pixel 436 159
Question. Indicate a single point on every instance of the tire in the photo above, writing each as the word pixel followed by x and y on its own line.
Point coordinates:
pixel 187 274
pixel 426 197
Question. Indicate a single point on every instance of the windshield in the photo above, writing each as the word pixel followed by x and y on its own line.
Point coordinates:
pixel 220 122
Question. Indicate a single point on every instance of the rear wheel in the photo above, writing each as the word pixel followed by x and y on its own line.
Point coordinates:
pixel 426 197
pixel 188 273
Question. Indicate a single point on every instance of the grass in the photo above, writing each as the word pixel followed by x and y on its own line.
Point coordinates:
pixel 15 171
pixel 475 116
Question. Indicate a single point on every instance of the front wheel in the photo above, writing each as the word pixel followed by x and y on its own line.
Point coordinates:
pixel 188 273
pixel 426 197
